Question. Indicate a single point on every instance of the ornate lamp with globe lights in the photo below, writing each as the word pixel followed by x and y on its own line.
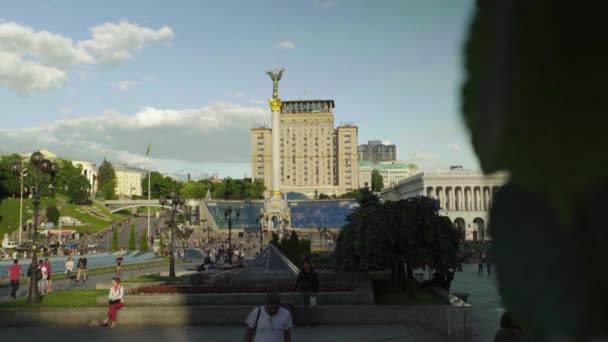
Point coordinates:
pixel 46 167
pixel 176 202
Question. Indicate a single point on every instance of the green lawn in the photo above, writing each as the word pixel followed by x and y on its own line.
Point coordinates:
pixel 9 210
pixel 61 299
pixel 91 224
pixel 95 217
pixel 386 292
pixel 100 208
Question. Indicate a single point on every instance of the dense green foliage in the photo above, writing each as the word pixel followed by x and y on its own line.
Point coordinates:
pixel 159 185
pixel 52 214
pixel 106 180
pixel 161 246
pixel 294 248
pixel 534 97
pixel 71 182
pixel 144 245
pixel 9 183
pixel 377 181
pixel 406 233
pixel 132 240
pixel 230 189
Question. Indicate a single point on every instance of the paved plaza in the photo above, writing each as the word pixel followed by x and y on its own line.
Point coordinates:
pixel 483 321
pixel 217 334
pixel 487 307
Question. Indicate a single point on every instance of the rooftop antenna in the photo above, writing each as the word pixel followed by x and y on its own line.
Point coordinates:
pixel 305 92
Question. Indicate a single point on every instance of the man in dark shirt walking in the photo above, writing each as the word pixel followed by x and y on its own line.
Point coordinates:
pixel 308 285
pixel 82 269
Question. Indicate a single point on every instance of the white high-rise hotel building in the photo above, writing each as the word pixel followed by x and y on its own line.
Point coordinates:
pixel 313 155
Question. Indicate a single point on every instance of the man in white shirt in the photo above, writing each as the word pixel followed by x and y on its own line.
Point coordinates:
pixel 269 323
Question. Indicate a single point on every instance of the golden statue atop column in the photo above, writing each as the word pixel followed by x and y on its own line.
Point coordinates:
pixel 275 102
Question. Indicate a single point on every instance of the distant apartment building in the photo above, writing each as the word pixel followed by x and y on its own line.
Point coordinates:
pixel 315 156
pixel 377 151
pixel 128 181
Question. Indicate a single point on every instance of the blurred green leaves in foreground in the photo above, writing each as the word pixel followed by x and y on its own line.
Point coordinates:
pixel 534 100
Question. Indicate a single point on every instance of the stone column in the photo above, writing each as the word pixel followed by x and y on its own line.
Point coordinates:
pixel 276 149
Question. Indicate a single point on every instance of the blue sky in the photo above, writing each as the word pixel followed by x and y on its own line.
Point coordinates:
pixel 92 80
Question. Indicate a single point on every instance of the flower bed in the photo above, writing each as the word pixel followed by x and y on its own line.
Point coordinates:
pixel 235 288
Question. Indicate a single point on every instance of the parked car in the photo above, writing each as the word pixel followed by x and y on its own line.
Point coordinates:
pixel 92 245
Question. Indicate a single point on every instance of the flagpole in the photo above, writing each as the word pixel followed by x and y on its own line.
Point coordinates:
pixel 149 191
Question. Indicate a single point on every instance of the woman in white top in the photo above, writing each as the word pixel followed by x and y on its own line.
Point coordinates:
pixel 116 302
pixel 69 268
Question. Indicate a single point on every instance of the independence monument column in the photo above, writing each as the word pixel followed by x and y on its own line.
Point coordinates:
pixel 275 108
pixel 276 209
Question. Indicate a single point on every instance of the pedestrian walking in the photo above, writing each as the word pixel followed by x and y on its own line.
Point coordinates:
pixel 119 261
pixel 308 286
pixel 116 302
pixel 49 279
pixel 269 323
pixel 69 268
pixel 82 269
pixel 43 275
pixel 13 274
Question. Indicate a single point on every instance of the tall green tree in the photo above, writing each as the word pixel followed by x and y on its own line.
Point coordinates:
pixel 159 185
pixel 377 181
pixel 402 236
pixel 9 183
pixel 194 189
pixel 115 246
pixel 52 214
pixel 144 245
pixel 71 182
pixel 106 180
pixel 161 246
pixel 132 240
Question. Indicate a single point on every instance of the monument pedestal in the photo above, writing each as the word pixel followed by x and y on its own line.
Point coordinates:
pixel 276 213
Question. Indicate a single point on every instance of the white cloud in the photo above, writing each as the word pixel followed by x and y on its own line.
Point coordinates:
pixel 287 45
pixel 126 85
pixel 219 133
pixel 419 156
pixel 454 147
pixel 258 102
pixel 39 60
pixel 114 43
pixel 325 3
pixel 237 94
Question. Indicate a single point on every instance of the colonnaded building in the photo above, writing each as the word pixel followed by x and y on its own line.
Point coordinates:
pixel 315 157
pixel 465 196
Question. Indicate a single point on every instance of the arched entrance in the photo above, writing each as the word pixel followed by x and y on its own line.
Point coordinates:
pixel 480 228
pixel 461 224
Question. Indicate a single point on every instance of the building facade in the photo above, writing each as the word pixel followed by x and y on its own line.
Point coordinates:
pixel 89 170
pixel 465 196
pixel 377 151
pixel 392 172
pixel 128 181
pixel 313 155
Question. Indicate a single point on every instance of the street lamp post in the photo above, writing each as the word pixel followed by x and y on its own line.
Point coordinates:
pixel 21 173
pixel 228 217
pixel 46 167
pixel 176 202
pixel 320 238
pixel 260 220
